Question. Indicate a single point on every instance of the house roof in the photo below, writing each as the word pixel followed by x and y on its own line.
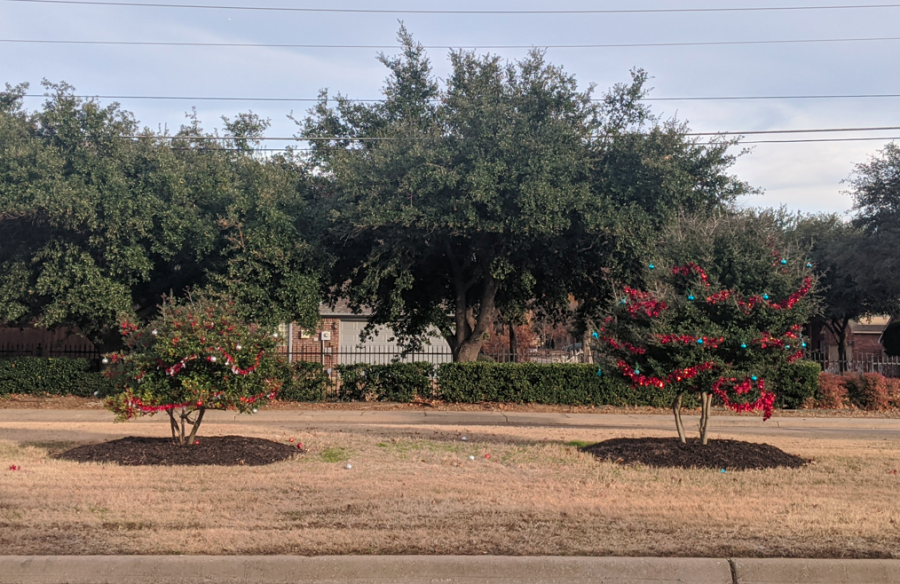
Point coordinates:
pixel 342 308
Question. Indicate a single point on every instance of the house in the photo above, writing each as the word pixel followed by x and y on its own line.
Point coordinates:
pixel 863 340
pixel 336 341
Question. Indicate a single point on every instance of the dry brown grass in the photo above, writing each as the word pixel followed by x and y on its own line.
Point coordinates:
pixel 414 491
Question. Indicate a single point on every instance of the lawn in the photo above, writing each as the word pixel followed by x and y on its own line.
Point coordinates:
pixel 414 490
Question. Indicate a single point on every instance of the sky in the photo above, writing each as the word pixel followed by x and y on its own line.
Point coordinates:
pixel 803 177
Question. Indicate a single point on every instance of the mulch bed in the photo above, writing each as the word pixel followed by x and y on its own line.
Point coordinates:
pixel 717 454
pixel 218 451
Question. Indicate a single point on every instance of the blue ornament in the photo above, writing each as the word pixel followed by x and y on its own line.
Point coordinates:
pixel 624 301
pixel 743 345
pixel 637 371
pixel 783 262
pixel 803 345
pixel 787 346
pixel 596 336
pixel 808 265
pixel 599 372
pixel 754 378
pixel 652 267
pixel 765 296
pixel 691 298
pixel 723 470
pixel 699 341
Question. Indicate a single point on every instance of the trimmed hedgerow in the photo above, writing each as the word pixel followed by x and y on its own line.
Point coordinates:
pixel 796 385
pixel 52 376
pixel 396 382
pixel 303 381
pixel 557 384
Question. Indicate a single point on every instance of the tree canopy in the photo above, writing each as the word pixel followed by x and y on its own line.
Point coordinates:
pixel 99 219
pixel 504 185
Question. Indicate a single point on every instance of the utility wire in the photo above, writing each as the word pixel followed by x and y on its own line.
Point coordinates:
pixel 332 98
pixel 482 12
pixel 383 138
pixel 803 141
pixel 448 46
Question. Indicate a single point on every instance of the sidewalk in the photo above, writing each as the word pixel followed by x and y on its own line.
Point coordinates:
pixel 62 422
pixel 434 569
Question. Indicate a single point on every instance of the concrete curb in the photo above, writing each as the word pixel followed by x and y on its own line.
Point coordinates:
pixel 359 570
pixel 433 569
pixel 776 570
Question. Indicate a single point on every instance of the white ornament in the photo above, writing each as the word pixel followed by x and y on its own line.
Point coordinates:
pixel 471 457
pixel 238 347
pixel 464 438
pixel 105 361
pixel 96 393
pixel 255 410
pixel 349 466
pixel 213 359
pixel 275 335
pixel 154 332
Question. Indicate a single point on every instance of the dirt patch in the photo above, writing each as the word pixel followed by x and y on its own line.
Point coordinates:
pixel 213 451
pixel 670 453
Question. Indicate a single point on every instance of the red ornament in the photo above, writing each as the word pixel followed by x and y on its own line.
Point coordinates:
pixel 291 440
pixel 196 442
pixel 14 467
pixel 487 455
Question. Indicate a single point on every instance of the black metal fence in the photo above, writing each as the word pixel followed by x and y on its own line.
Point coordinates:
pixel 41 350
pixel 881 364
pixel 382 355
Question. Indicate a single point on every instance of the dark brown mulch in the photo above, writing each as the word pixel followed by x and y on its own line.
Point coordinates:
pixel 717 454
pixel 218 451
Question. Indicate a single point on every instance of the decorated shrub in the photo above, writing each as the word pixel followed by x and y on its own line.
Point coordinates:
pixel 196 356
pixel 689 335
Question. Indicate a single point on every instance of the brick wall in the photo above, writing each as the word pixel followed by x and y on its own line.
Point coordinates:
pixel 311 347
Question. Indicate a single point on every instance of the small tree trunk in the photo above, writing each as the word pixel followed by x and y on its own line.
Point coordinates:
pixel 705 402
pixel 174 425
pixel 196 425
pixel 676 409
pixel 586 355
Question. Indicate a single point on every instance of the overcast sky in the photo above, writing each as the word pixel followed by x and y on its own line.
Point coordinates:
pixel 803 176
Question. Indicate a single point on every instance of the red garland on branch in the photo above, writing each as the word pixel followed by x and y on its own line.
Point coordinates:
pixel 691 268
pixel 765 402
pixel 643 302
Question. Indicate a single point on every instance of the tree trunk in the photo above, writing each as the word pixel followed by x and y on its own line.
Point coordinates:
pixel 513 344
pixel 470 330
pixel 676 409
pixel 586 339
pixel 839 328
pixel 705 403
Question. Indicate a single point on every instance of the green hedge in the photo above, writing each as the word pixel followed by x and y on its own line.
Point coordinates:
pixel 303 381
pixel 795 383
pixel 52 376
pixel 397 382
pixel 557 383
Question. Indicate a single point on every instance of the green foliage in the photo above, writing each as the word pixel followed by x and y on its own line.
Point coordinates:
pixel 719 327
pixel 52 376
pixel 396 382
pixel 302 381
pixel 96 226
pixel 558 383
pixel 197 355
pixel 796 384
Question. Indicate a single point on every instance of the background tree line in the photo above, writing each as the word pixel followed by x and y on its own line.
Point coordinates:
pixel 451 204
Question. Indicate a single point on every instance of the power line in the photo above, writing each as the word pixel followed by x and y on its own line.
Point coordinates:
pixel 331 98
pixel 488 47
pixel 460 12
pixel 801 141
pixel 385 138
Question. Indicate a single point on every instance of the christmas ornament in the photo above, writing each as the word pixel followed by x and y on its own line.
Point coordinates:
pixel 783 262
pixel 196 442
pixel 765 296
pixel 595 335
pixel 105 361
pixel 464 438
pixel 14 467
pixel 487 456
pixel 154 332
pixel 599 372
pixel 699 341
pixel 471 457
pixel 652 267
pixel 96 393
pixel 803 345
pixel 691 297
pixel 349 466
pixel 238 347
pixel 743 345
pixel 291 440
pixel 255 410
pixel 299 446
pixel 808 265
